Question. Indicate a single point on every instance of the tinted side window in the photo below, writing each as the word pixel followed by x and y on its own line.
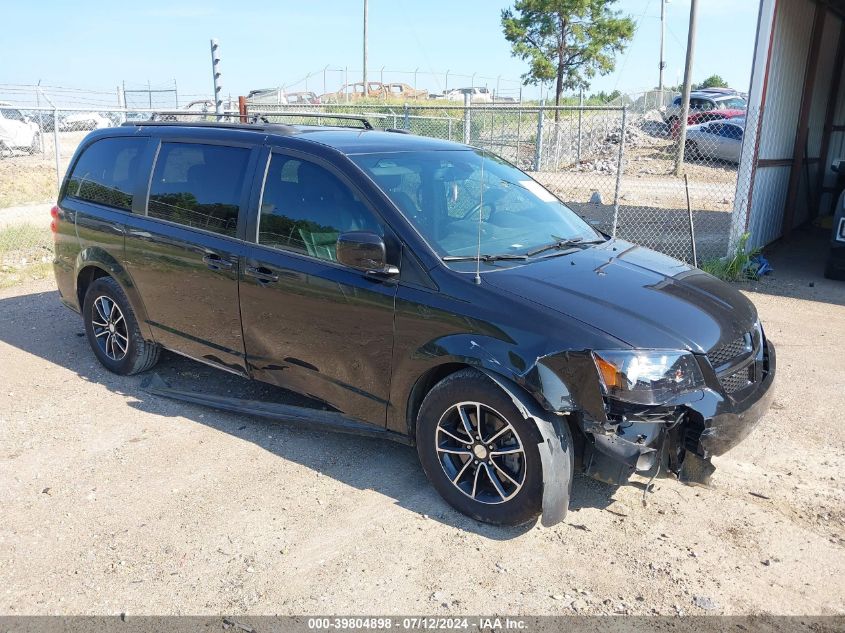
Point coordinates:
pixel 105 173
pixel 304 208
pixel 199 185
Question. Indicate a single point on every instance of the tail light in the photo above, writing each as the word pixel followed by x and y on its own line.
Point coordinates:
pixel 54 213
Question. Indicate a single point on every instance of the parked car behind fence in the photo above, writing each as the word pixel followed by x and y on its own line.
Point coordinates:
pixel 84 121
pixel 477 94
pixel 17 131
pixel 699 117
pixel 716 141
pixel 705 100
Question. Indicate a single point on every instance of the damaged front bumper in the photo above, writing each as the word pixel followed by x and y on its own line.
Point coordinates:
pixel 621 438
pixel 727 421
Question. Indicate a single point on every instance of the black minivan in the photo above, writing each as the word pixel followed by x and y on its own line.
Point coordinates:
pixel 419 289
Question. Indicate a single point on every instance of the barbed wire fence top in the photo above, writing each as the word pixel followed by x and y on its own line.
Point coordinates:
pixel 613 165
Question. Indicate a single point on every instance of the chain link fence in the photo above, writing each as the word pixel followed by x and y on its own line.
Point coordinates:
pixel 615 166
pixel 619 167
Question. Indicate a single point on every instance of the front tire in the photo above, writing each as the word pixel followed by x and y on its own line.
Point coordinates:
pixel 692 150
pixel 113 331
pixel 479 452
pixel 35 146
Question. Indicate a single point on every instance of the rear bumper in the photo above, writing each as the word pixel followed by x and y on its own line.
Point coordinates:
pixel 727 422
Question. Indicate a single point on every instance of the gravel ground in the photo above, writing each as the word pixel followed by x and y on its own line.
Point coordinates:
pixel 117 501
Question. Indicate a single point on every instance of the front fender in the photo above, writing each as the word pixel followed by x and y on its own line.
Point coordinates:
pixel 562 382
pixel 556 450
pixel 94 256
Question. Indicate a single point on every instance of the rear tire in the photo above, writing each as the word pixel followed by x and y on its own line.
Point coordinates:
pixel 499 478
pixel 692 150
pixel 113 331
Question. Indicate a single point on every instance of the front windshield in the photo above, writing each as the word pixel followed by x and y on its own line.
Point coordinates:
pixel 442 194
pixel 734 103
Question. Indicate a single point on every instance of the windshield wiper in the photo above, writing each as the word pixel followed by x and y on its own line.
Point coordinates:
pixel 483 258
pixel 561 244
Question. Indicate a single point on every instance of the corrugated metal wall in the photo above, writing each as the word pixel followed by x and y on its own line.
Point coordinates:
pixel 836 149
pixel 787 68
pixel 824 80
pixel 793 25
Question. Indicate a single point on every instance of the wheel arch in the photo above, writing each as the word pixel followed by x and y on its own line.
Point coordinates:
pixel 531 389
pixel 424 384
pixel 557 449
pixel 93 263
pixel 556 444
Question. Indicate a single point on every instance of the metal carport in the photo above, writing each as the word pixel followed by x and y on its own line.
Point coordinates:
pixel 795 125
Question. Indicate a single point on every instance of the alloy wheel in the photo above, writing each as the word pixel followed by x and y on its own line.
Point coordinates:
pixel 110 329
pixel 480 452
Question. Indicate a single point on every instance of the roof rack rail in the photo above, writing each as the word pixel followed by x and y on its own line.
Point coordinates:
pixel 262 116
pixel 235 119
pixel 234 124
pixel 160 116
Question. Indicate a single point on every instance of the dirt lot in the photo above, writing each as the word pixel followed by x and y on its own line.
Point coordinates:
pixel 117 501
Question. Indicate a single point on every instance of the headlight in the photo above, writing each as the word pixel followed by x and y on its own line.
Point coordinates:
pixel 647 377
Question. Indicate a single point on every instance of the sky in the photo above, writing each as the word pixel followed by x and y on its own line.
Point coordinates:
pixel 98 46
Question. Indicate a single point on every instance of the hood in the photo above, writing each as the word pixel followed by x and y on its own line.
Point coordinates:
pixel 641 297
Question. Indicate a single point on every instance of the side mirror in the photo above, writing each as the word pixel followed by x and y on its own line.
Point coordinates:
pixel 364 251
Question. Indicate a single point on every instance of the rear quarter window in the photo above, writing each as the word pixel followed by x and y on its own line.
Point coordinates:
pixel 105 172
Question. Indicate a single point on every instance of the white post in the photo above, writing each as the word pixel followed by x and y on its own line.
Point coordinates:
pixel 364 74
pixel 580 116
pixel 538 146
pixel 467 125
pixel 121 105
pixel 619 167
pixel 662 36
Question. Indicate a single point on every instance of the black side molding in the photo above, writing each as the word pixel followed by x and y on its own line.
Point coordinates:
pixel 301 416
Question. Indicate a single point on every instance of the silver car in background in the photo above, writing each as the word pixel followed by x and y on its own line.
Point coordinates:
pixel 719 140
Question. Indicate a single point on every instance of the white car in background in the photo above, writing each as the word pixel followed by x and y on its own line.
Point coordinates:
pixel 478 94
pixel 719 140
pixel 84 121
pixel 17 132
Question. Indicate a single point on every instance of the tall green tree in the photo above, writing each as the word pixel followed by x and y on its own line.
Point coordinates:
pixel 568 41
pixel 713 81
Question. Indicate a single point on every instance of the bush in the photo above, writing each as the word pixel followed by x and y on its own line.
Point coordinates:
pixel 739 267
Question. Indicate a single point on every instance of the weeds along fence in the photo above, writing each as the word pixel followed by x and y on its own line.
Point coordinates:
pixel 615 166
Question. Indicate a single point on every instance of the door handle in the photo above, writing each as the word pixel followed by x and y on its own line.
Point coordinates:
pixel 215 262
pixel 263 275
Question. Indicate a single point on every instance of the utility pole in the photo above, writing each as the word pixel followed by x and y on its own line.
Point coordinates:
pixel 215 71
pixel 662 37
pixel 682 137
pixel 365 47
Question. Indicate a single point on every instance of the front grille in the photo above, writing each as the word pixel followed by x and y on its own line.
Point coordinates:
pixel 738 380
pixel 726 353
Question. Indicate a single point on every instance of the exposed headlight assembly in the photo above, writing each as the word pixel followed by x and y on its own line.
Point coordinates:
pixel 647 377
